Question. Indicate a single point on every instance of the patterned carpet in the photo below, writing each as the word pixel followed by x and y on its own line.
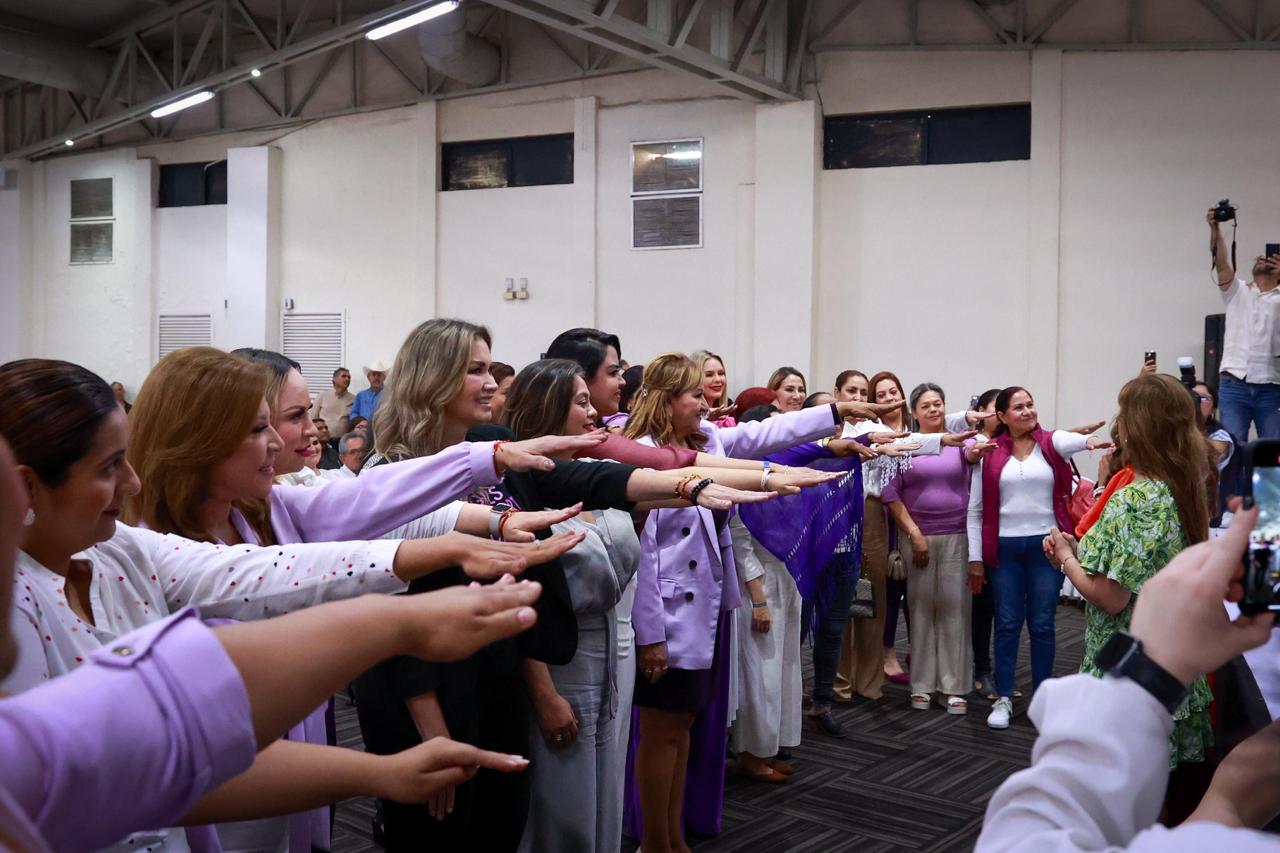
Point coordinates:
pixel 901 780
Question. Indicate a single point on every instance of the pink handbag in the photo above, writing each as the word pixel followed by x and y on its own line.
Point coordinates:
pixel 1081 498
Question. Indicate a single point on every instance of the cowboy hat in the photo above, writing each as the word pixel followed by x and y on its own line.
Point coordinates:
pixel 377 366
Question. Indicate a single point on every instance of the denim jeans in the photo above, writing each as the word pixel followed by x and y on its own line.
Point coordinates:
pixel 829 635
pixel 983 615
pixel 1241 403
pixel 1026 589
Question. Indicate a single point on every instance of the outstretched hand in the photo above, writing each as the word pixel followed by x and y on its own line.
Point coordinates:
pixel 484 559
pixel 418 774
pixel 716 496
pixel 521 526
pixel 534 454
pixel 455 623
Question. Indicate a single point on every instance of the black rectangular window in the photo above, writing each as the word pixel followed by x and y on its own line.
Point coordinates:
pixel 524 161
pixel 189 184
pixel 927 137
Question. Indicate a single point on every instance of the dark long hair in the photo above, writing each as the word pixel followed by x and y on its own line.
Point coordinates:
pixel 585 346
pixel 539 398
pixel 52 413
pixel 632 376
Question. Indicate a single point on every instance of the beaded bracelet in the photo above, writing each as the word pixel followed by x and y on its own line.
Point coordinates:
pixel 697 490
pixel 684 481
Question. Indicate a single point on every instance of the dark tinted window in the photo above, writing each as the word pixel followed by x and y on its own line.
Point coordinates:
pixel 524 161
pixel 927 137
pixel 188 184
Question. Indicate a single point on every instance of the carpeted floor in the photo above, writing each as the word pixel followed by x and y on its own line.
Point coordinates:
pixel 901 780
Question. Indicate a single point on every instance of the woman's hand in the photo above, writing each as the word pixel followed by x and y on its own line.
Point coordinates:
pixel 455 623
pixel 790 482
pixel 1060 547
pixel 1088 428
pixel 761 621
pixel 974 452
pixel 651 660
pixel 534 454
pixel 919 549
pixel 898 448
pixel 556 720
pixel 521 525
pixel 484 559
pixel 887 436
pixel 957 439
pixel 851 410
pixel 420 774
pixel 977 577
pixel 974 419
pixel 1097 443
pixel 719 412
pixel 716 496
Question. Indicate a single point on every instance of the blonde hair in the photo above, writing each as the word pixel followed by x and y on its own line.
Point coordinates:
pixel 780 375
pixel 665 378
pixel 429 370
pixel 1162 440
pixel 192 414
pixel 700 358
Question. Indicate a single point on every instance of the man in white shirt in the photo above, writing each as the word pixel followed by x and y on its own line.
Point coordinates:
pixel 1249 384
pixel 351 452
pixel 1101 764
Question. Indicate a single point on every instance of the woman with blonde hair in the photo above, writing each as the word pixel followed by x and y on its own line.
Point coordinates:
pixel 440 390
pixel 790 386
pixel 681 594
pixel 715 387
pixel 1164 509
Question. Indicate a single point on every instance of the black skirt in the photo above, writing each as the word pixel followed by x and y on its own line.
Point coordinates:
pixel 680 690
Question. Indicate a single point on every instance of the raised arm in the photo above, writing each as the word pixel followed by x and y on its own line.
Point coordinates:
pixel 1221 257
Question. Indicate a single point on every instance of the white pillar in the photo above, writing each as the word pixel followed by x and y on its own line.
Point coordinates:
pixel 585 201
pixel 788 147
pixel 424 300
pixel 15 259
pixel 1043 231
pixel 251 306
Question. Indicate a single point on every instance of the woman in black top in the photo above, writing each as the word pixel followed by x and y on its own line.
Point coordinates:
pixel 439 393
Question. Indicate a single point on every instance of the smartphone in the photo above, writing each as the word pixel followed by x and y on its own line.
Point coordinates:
pixel 1262 560
pixel 1272 249
pixel 973 402
pixel 1149 357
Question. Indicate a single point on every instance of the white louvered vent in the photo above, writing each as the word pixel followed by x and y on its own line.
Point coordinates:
pixel 184 330
pixel 317 342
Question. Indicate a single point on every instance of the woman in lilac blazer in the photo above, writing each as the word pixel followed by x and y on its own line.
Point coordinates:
pixel 686 554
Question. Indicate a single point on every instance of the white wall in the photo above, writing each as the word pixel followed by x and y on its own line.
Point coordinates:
pixel 189 258
pixel 1057 272
pixel 1148 144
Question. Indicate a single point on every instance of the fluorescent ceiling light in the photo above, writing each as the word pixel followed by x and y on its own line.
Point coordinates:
pixel 412 20
pixel 68 142
pixel 684 155
pixel 178 106
pixel 255 73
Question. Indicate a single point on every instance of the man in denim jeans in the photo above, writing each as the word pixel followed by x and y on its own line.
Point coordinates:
pixel 1249 385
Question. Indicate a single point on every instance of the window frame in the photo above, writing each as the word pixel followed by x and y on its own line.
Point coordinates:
pixel 649 195
pixel 73 221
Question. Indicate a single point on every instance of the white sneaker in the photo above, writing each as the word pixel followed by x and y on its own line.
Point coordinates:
pixel 1001 711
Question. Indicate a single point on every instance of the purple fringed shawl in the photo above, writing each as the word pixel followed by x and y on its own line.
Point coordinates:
pixel 804 530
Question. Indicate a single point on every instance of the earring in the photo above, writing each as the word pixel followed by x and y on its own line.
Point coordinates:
pixel 30 518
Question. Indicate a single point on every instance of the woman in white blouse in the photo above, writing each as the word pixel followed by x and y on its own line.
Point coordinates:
pixel 1028 476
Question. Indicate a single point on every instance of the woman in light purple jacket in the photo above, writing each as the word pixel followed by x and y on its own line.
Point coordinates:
pixel 680 591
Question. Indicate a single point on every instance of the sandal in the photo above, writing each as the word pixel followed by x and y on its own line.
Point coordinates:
pixel 920 701
pixel 957 705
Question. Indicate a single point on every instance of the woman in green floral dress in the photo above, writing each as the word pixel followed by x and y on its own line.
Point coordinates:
pixel 1164 509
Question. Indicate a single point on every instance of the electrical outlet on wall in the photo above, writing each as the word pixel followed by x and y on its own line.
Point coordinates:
pixel 523 292
pixel 510 293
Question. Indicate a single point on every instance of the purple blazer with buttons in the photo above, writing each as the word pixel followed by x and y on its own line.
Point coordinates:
pixel 684 558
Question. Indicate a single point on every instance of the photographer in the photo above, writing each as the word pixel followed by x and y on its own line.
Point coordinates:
pixel 1249 386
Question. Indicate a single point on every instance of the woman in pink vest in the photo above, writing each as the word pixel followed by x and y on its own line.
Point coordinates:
pixel 1026 481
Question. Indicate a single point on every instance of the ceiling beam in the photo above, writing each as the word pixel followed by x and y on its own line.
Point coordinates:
pixel 637 40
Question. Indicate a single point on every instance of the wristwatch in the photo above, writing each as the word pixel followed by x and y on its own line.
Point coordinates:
pixel 1122 656
pixel 495 519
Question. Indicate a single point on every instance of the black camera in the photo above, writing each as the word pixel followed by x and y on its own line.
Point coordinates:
pixel 1225 211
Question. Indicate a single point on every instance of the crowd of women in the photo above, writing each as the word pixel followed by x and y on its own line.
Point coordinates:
pixel 677 546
